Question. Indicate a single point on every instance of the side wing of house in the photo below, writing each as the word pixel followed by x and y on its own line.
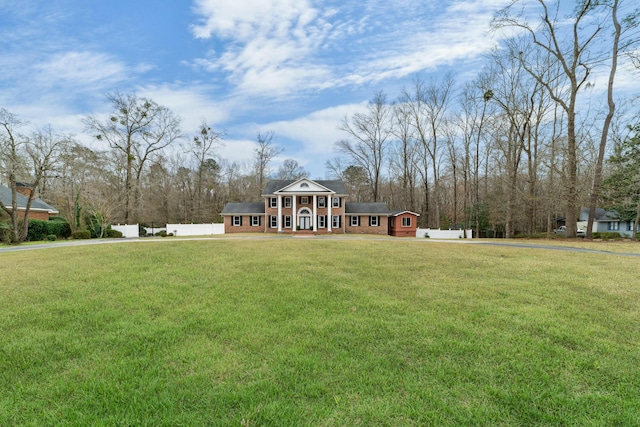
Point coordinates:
pixel 367 218
pixel 244 218
pixel 403 223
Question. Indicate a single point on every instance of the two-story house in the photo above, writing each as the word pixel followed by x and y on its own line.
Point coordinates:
pixel 304 206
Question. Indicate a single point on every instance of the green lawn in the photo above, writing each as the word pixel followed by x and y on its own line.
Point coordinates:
pixel 320 332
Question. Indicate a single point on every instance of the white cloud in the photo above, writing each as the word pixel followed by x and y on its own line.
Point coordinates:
pixel 282 48
pixel 81 68
pixel 191 103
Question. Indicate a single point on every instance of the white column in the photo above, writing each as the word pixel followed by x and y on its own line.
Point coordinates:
pixel 279 213
pixel 315 213
pixel 293 213
pixel 329 218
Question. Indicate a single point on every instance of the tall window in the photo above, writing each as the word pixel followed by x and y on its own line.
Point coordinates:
pixel 322 221
pixel 237 221
pixel 406 222
pixel 321 202
pixel 255 221
pixel 273 202
pixel 335 221
pixel 287 221
pixel 335 202
pixel 273 221
pixel 374 221
pixel 355 221
pixel 287 202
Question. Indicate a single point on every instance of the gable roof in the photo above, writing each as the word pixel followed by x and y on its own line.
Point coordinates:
pixel 36 205
pixel 376 208
pixel 243 209
pixel 396 213
pixel 276 185
pixel 600 215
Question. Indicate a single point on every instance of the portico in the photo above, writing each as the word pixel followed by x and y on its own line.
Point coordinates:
pixel 304 205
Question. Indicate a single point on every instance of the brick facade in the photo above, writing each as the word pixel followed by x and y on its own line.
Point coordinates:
pixel 364 225
pixel 397 229
pixel 305 206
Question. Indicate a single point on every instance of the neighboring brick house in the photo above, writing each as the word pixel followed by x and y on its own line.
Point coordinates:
pixel 304 206
pixel 39 209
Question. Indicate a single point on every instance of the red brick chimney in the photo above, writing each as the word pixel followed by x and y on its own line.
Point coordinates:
pixel 24 189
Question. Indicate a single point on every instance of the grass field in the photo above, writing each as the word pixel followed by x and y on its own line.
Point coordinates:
pixel 320 332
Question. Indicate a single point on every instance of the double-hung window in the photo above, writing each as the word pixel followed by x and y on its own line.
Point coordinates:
pixel 273 221
pixel 322 221
pixel 335 202
pixel 287 221
pixel 406 222
pixel 237 221
pixel 613 226
pixel 374 221
pixel 355 221
pixel 255 221
pixel 321 202
pixel 304 200
pixel 335 221
pixel 273 202
pixel 287 202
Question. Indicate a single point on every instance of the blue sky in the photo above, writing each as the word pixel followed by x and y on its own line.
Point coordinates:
pixel 295 67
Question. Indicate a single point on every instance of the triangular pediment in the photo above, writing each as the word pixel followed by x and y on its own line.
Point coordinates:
pixel 304 185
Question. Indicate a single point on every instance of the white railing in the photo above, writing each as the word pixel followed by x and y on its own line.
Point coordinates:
pixel 443 234
pixel 195 229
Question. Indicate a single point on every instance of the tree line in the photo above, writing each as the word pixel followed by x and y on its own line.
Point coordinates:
pixel 518 147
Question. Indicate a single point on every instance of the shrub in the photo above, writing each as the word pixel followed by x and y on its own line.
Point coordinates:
pixel 60 227
pixel 52 237
pixel 41 230
pixel 81 234
pixel 161 233
pixel 426 235
pixel 113 233
pixel 38 230
pixel 607 235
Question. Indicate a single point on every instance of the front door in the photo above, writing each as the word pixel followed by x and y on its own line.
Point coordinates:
pixel 305 223
pixel 304 219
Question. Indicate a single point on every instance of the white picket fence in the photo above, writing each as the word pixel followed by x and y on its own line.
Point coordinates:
pixel 195 229
pixel 443 234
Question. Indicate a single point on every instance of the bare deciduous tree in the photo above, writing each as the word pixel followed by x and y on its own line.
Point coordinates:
pixel 137 129
pixel 568 53
pixel 264 153
pixel 370 134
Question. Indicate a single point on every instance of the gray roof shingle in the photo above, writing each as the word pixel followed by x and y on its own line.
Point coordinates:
pixel 37 204
pixel 254 208
pixel 377 208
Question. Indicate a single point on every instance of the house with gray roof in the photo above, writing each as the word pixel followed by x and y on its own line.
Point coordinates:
pixel 39 208
pixel 607 221
pixel 306 206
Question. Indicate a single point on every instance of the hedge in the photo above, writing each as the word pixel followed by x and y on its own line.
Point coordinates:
pixel 40 230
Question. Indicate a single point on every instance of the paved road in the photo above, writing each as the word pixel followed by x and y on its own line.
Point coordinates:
pixel 19 248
